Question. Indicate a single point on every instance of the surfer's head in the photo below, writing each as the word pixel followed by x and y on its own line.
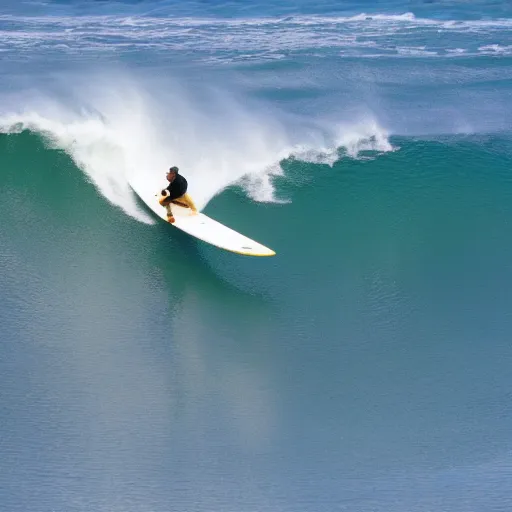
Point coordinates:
pixel 173 171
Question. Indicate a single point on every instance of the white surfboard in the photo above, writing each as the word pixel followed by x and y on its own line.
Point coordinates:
pixel 208 230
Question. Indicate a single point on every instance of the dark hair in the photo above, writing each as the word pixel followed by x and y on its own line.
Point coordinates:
pixel 174 169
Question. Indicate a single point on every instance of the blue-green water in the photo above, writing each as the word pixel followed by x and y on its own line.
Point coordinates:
pixel 364 368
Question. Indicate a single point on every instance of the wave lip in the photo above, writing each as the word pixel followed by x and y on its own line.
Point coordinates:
pixel 364 140
pixel 92 146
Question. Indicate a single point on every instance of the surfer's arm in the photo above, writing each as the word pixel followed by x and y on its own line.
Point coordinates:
pixel 163 196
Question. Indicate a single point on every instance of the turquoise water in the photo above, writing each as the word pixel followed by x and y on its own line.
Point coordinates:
pixel 364 368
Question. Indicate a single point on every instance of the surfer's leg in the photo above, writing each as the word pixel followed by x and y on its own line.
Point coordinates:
pixel 169 211
pixel 186 202
pixel 185 198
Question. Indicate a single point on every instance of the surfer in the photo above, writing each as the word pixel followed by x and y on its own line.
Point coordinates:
pixel 176 193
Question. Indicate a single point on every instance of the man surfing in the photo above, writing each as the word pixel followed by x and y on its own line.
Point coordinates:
pixel 175 193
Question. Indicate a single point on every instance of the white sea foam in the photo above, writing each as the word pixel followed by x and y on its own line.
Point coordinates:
pixel 235 38
pixel 495 49
pixel 133 131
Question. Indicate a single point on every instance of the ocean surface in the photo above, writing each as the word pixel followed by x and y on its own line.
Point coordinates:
pixel 364 368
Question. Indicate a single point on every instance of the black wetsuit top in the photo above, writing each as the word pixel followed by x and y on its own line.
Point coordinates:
pixel 177 188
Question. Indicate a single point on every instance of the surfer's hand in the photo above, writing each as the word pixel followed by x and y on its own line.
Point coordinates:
pixel 171 219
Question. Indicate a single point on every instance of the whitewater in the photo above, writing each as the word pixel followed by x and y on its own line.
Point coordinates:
pixel 120 129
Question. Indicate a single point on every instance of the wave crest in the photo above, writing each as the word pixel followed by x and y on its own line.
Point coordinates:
pixel 133 132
